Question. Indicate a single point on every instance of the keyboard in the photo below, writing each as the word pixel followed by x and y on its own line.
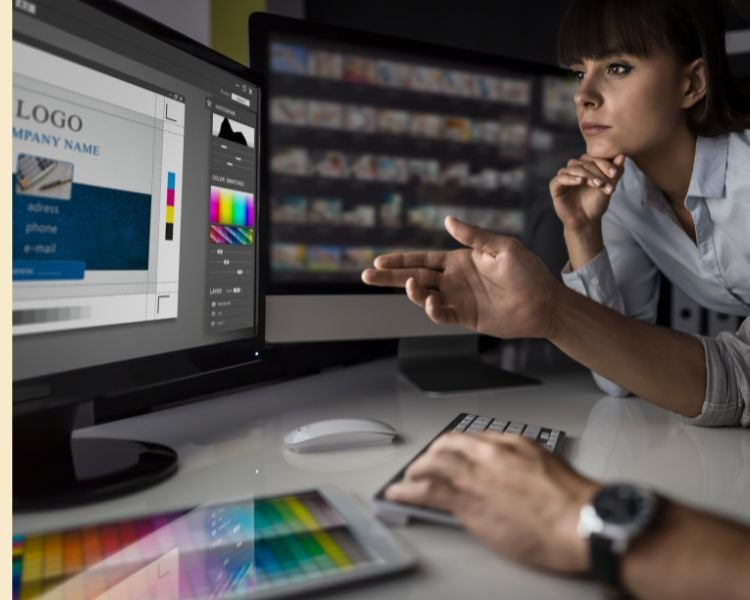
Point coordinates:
pixel 399 514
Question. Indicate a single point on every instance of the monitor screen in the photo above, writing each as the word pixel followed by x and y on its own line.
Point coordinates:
pixel 374 140
pixel 135 191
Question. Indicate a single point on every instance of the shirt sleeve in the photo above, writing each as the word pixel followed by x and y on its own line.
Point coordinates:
pixel 727 399
pixel 621 277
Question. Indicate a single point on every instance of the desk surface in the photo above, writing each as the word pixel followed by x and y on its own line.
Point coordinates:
pixel 230 446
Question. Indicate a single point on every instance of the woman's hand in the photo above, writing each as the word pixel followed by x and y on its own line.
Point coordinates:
pixel 581 190
pixel 580 194
pixel 495 285
pixel 513 495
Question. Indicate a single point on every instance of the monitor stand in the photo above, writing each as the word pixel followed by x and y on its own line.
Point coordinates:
pixel 52 469
pixel 450 364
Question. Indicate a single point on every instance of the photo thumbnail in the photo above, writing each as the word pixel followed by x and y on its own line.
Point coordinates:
pixel 558 101
pixel 44 177
pixel 513 137
pixel 289 111
pixel 393 74
pixel 485 132
pixel 364 168
pixel 360 118
pixel 426 125
pixel 327 115
pixel 330 164
pixel 359 215
pixel 427 79
pixel 454 173
pixel 291 161
pixel 289 209
pixel 288 257
pixel 459 83
pixel 392 170
pixel 287 58
pixel 393 122
pixel 324 258
pixel 456 129
pixel 390 210
pixel 426 171
pixel 326 65
pixel 325 211
pixel 359 70
pixel 357 258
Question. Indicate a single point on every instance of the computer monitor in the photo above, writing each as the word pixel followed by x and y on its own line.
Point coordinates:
pixel 135 247
pixel 373 140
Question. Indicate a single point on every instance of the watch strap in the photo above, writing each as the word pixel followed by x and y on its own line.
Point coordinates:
pixel 605 563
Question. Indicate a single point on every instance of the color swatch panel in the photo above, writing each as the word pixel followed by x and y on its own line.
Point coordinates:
pixel 231 235
pixel 223 551
pixel 171 182
pixel 231 207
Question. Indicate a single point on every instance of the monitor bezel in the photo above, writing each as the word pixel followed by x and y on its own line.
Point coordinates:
pixel 263 26
pixel 189 370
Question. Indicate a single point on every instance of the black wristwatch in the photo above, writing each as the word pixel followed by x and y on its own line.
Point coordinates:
pixel 617 515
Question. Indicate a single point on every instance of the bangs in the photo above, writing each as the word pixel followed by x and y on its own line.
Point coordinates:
pixel 596 29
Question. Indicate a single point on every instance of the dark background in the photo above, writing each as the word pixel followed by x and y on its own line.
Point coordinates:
pixel 525 30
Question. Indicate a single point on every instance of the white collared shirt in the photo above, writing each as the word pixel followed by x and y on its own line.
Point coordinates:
pixel 643 239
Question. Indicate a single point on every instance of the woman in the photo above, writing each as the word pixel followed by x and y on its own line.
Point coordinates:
pixel 654 86
pixel 664 187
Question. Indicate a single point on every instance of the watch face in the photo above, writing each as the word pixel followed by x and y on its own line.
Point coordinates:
pixel 620 504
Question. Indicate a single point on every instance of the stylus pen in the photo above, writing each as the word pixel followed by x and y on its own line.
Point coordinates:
pixel 52 184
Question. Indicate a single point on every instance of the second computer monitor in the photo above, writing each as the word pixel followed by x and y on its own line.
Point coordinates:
pixel 373 141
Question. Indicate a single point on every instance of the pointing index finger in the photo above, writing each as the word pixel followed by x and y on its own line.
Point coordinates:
pixel 408 260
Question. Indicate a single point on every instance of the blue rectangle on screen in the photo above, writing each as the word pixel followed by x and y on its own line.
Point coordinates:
pixel 39 270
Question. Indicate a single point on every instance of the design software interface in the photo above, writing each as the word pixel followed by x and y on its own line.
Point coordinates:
pixel 373 148
pixel 134 193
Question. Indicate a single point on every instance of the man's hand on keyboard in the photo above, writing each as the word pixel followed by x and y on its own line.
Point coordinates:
pixel 516 497
pixel 495 285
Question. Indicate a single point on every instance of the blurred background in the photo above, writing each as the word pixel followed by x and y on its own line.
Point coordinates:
pixel 520 30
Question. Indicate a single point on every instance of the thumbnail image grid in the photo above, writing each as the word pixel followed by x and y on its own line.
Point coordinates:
pixel 293 59
pixel 333 164
pixel 510 133
pixel 390 213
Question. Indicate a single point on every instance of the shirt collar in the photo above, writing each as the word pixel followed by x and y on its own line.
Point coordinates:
pixel 709 167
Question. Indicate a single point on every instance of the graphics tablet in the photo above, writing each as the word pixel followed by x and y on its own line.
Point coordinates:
pixel 257 548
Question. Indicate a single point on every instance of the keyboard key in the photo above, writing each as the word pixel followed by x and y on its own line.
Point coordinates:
pixel 515 427
pixel 498 426
pixel 465 422
pixel 552 441
pixel 532 431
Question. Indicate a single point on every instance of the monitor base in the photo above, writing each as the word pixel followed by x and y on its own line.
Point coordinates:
pixel 52 470
pixel 451 364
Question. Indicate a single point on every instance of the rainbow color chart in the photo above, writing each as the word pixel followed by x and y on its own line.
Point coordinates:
pixel 232 207
pixel 232 217
pixel 219 551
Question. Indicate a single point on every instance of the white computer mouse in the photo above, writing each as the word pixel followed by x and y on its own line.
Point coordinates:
pixel 336 434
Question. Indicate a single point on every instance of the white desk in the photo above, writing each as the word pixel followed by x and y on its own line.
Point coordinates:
pixel 230 446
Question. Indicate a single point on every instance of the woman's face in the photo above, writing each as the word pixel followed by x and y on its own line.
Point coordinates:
pixel 627 104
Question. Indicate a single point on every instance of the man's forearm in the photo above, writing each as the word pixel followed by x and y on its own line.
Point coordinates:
pixel 663 366
pixel 689 554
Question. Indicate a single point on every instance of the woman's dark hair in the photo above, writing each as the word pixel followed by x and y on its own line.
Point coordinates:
pixel 688 29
